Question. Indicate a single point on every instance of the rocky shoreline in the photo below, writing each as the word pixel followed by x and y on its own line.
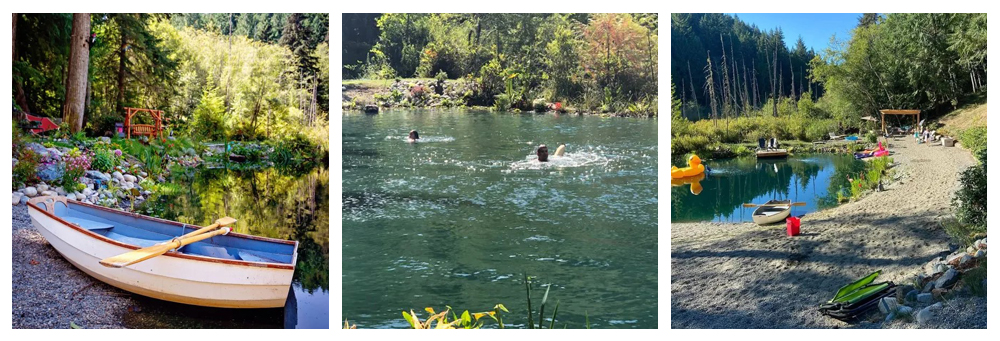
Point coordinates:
pixel 435 94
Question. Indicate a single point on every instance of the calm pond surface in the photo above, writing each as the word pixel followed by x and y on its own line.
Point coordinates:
pixel 814 179
pixel 460 217
pixel 271 202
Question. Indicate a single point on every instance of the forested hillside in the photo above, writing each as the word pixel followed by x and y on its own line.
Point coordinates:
pixel 601 62
pixel 734 83
pixel 216 76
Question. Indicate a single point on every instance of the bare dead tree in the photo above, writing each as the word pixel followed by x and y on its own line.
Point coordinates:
pixel 710 89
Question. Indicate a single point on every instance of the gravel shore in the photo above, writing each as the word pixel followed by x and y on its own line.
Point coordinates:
pixel 49 292
pixel 740 275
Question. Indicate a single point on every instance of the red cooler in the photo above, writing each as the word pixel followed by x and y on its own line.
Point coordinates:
pixel 792 224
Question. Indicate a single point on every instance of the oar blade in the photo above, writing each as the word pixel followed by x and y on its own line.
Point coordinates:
pixel 136 256
pixel 225 221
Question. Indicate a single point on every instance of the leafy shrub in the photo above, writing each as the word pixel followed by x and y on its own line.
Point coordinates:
pixel 686 144
pixel 25 171
pixel 743 151
pixel 818 130
pixel 106 159
pixel 970 199
pixel 76 164
pixel 875 171
pixel 209 116
pixel 871 138
pixel 973 139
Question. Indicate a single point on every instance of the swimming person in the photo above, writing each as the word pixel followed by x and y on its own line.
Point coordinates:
pixel 543 153
pixel 413 136
pixel 561 150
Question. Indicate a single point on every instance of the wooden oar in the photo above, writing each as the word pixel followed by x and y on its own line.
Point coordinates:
pixel 142 254
pixel 791 204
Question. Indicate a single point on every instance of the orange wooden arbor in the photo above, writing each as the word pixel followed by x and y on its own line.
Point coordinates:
pixel 898 112
pixel 143 129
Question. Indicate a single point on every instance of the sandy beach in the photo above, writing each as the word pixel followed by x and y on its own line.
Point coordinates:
pixel 729 275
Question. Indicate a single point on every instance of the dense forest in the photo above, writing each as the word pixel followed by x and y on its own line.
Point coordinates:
pixel 603 62
pixel 724 67
pixel 756 86
pixel 216 76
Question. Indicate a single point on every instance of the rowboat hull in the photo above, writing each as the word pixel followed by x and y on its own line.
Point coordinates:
pixel 765 215
pixel 175 276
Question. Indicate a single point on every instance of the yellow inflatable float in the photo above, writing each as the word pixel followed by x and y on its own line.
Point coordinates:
pixel 694 168
pixel 694 181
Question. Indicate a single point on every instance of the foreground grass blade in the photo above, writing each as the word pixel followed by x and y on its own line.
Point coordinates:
pixel 554 311
pixel 541 310
pixel 527 290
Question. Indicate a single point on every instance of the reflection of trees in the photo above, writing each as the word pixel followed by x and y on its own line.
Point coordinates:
pixel 747 179
pixel 842 168
pixel 269 202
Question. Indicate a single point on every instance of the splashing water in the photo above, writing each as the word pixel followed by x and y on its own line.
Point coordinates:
pixel 422 138
pixel 575 159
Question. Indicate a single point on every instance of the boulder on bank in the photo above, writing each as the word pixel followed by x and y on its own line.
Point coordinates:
pixel 947 280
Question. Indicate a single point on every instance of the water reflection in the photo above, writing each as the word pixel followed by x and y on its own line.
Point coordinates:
pixel 815 180
pixel 274 202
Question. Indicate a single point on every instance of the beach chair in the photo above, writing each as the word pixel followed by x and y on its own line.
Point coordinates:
pixel 760 144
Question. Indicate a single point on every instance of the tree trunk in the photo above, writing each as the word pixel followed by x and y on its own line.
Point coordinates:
pixel 79 58
pixel 756 91
pixel 694 94
pixel 774 94
pixel 19 96
pixel 791 70
pixel 710 86
pixel 120 102
pixel 13 37
pixel 726 105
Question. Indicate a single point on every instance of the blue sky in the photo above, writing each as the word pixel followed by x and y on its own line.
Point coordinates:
pixel 815 28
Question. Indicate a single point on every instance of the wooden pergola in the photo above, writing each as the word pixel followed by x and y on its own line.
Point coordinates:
pixel 898 112
pixel 143 129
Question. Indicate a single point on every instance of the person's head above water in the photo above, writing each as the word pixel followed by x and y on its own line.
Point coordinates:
pixel 543 153
pixel 414 135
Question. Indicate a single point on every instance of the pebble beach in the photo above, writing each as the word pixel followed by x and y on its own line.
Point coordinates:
pixel 740 275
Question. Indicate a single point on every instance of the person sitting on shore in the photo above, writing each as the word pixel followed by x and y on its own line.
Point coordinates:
pixel 413 136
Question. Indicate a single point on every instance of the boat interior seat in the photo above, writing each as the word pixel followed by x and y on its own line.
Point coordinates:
pixel 132 240
pixel 88 224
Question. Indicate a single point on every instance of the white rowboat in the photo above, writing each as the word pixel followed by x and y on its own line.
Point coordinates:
pixel 227 271
pixel 779 210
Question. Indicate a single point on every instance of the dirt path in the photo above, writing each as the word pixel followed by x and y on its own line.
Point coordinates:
pixel 726 275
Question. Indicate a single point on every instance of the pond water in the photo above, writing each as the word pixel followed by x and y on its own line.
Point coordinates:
pixel 272 202
pixel 814 179
pixel 462 216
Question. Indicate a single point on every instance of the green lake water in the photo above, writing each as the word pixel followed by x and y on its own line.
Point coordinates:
pixel 272 202
pixel 460 217
pixel 814 179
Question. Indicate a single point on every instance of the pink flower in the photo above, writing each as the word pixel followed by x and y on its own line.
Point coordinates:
pixel 118 152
